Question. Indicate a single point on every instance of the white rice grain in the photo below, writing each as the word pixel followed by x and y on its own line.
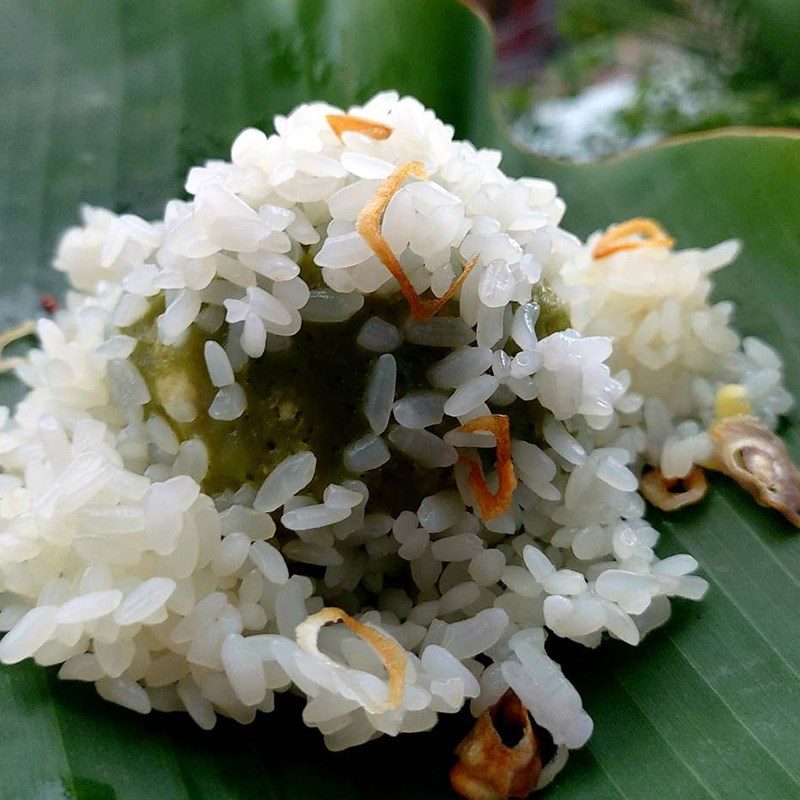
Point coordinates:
pixel 145 600
pixel 289 477
pixel 86 607
pixel 423 447
pixel 229 403
pixel 379 336
pixel 28 635
pixel 365 454
pixel 379 396
pixel 218 365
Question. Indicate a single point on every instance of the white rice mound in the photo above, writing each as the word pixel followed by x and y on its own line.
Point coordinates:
pixel 115 565
pixel 677 348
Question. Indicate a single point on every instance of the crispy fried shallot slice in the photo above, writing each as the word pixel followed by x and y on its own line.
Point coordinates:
pixel 394 657
pixel 27 328
pixel 368 226
pixel 492 504
pixel 754 456
pixel 631 235
pixel 500 757
pixel 341 123
pixel 670 494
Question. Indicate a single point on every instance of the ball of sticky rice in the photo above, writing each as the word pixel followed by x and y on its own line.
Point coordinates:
pixel 330 387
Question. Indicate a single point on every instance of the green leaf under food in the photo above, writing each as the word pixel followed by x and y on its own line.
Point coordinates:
pixel 110 102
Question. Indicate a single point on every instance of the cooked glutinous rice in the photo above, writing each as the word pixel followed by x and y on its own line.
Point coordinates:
pixel 235 422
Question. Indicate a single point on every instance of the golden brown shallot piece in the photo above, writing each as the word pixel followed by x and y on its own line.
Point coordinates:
pixel 753 455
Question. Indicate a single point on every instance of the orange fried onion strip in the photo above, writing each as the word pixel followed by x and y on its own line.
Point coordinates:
pixel 368 226
pixel 341 123
pixel 492 504
pixel 631 235
pixel 394 657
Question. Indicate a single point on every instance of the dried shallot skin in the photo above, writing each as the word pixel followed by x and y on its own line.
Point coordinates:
pixel 753 455
pixel 487 767
pixel 660 492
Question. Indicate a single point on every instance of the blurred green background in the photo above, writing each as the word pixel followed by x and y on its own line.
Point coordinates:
pixel 584 79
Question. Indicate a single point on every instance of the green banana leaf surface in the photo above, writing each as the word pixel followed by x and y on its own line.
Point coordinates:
pixel 109 103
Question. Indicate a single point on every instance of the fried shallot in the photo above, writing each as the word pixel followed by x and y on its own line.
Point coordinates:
pixel 500 757
pixel 394 657
pixel 342 123
pixel 492 504
pixel 631 235
pixel 670 494
pixel 753 455
pixel 368 226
